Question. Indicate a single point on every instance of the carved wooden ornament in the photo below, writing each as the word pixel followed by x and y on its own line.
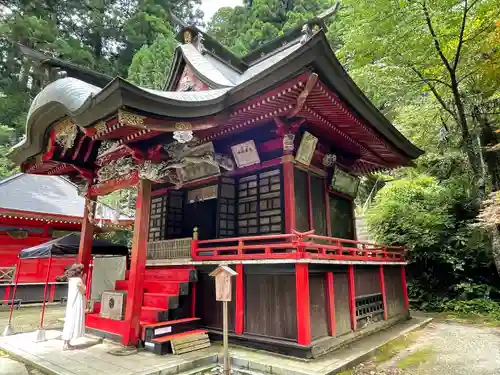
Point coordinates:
pixel 223 287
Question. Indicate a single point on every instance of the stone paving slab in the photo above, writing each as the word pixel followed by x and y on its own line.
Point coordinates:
pixel 94 360
pixel 11 367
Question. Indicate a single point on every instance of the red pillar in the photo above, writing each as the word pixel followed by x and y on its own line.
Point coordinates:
pixel 405 289
pixel 240 300
pixel 302 301
pixel 137 264
pixel 382 290
pixel 352 297
pixel 86 236
pixel 330 303
pixel 193 300
pixel 289 193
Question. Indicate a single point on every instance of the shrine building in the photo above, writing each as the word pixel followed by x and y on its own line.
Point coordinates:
pixel 252 162
pixel 35 209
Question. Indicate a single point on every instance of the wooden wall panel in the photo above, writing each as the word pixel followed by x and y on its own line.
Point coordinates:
pixel 342 317
pixel 301 200
pixel 317 297
pixel 366 280
pixel 394 290
pixel 318 205
pixel 207 308
pixel 270 308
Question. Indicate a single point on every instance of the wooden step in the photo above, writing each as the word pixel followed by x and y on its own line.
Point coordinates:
pixel 161 300
pixel 190 343
pixel 162 345
pixel 171 274
pixel 152 331
pixel 166 287
pixel 153 314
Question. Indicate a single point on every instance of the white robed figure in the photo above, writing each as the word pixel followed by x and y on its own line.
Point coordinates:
pixel 74 321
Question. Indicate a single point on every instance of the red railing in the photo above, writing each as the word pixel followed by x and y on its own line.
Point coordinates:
pixel 294 246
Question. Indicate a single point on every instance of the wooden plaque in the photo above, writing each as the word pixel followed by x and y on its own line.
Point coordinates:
pixel 223 276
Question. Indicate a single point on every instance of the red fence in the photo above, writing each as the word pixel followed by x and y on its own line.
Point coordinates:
pixel 294 246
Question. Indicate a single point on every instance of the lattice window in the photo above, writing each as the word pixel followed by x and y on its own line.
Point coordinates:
pixel 175 213
pixel 259 203
pixel 368 306
pixel 158 220
pixel 227 207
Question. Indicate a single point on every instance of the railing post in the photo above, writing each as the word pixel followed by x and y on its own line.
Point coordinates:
pixel 194 243
pixel 240 247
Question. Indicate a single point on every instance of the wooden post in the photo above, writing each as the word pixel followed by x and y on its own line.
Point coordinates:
pixel 240 300
pixel 302 303
pixel 309 202
pixel 87 235
pixel 45 290
pixel 405 288
pixel 327 208
pixel 382 290
pixel 223 289
pixel 330 303
pixel 225 330
pixel 289 193
pixel 352 297
pixel 137 263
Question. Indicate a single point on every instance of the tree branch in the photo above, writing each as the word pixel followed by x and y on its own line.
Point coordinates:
pixel 425 79
pixel 461 36
pixel 434 37
pixel 434 91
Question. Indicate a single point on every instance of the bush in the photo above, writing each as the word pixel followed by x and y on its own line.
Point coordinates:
pixel 478 307
pixel 448 257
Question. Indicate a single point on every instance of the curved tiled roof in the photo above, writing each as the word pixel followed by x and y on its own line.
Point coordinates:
pixel 87 104
pixel 46 195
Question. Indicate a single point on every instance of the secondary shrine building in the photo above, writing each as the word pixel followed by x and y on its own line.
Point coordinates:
pixel 252 162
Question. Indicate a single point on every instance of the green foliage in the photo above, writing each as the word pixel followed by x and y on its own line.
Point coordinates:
pixel 448 257
pixel 475 307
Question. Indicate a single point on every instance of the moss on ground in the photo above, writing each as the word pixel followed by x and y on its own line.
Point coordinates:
pixel 470 319
pixel 416 358
pixel 392 348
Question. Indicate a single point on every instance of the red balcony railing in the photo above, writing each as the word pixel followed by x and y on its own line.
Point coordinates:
pixel 294 246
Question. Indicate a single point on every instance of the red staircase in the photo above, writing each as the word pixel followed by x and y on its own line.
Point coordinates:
pixel 166 313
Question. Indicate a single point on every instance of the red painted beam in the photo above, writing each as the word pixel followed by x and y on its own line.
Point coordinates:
pixel 383 290
pixel 137 264
pixel 289 195
pixel 240 300
pixel 330 303
pixel 87 235
pixel 303 304
pixel 405 288
pixel 352 297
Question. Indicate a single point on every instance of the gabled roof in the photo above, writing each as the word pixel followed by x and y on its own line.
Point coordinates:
pixel 87 104
pixel 46 195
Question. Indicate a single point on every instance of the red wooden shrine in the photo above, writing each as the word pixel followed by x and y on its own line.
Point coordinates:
pixel 250 161
pixel 35 209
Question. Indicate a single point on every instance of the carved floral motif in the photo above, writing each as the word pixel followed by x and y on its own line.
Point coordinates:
pixel 66 132
pixel 129 118
pixel 116 168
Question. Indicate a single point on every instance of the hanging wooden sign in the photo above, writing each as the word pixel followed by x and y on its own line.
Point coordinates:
pixel 245 154
pixel 223 288
pixel 306 149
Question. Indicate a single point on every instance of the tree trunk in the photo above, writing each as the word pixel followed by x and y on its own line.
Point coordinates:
pixel 488 138
pixel 495 246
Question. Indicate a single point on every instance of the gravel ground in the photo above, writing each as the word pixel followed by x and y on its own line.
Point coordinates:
pixel 443 349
